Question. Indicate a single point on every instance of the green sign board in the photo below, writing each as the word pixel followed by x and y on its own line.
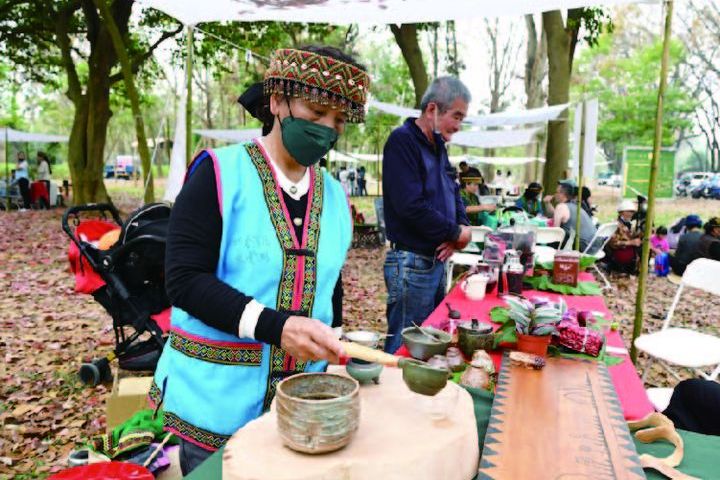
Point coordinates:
pixel 636 172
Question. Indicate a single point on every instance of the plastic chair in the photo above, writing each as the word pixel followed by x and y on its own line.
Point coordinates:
pixel 596 247
pixel 685 347
pixel 546 235
pixel 459 258
pixel 380 214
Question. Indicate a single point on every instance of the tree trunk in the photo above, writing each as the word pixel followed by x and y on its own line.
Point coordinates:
pixel 407 39
pixel 558 47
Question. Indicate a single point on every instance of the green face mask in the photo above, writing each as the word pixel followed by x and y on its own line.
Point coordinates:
pixel 307 141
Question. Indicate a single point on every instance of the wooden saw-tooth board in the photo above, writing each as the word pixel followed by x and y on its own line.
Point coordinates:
pixel 561 422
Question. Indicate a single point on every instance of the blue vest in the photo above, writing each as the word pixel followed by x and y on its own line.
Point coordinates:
pixel 211 382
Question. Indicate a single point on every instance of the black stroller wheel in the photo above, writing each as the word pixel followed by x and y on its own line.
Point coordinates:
pixel 96 372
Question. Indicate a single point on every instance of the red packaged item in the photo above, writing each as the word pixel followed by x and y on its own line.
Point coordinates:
pixel 566 268
pixel 580 339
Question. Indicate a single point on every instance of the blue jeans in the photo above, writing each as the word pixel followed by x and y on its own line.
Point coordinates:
pixel 416 286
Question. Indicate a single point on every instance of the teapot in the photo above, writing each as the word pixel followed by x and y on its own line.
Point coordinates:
pixel 475 285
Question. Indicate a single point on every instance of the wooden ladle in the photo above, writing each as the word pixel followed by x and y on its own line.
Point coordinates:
pixel 419 376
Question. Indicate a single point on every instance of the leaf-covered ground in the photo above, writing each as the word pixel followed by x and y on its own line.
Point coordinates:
pixel 47 330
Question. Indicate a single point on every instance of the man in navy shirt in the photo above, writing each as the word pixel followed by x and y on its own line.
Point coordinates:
pixel 424 215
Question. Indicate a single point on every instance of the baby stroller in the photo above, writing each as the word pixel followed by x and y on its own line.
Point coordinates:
pixel 121 264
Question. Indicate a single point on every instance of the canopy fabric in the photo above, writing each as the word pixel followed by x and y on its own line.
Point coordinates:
pixel 13 135
pixel 236 136
pixel 344 12
pixel 504 161
pixel 522 117
pixel 494 138
pixel 176 175
pixel 499 119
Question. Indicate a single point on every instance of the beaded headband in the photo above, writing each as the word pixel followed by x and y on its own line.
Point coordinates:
pixel 318 79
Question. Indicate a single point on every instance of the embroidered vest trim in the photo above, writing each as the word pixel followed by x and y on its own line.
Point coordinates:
pixel 225 353
pixel 296 292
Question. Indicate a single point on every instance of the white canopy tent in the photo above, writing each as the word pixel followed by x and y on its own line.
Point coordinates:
pixel 16 136
pixel 494 138
pixel 236 136
pixel 500 161
pixel 376 12
pixel 498 119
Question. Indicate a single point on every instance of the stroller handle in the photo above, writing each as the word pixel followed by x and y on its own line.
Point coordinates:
pixel 90 207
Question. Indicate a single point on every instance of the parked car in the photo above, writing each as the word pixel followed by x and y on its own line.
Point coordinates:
pixel 604 178
pixel 705 188
pixel 615 181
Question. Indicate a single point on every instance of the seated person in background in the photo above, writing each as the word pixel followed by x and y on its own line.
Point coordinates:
pixel 476 213
pixel 468 171
pixel 586 205
pixel 658 242
pixel 693 406
pixel 709 245
pixel 687 248
pixel 623 247
pixel 566 210
pixel 530 200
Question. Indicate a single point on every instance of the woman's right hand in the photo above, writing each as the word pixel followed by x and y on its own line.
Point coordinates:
pixel 310 339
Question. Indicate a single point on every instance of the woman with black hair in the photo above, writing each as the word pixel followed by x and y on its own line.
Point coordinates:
pixel 256 242
pixel 530 200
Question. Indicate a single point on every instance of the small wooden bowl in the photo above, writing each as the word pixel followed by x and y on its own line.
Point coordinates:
pixel 317 412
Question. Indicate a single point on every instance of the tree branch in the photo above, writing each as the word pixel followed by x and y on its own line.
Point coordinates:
pixel 137 62
pixel 62 24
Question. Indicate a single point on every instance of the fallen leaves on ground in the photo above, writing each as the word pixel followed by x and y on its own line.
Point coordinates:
pixel 47 330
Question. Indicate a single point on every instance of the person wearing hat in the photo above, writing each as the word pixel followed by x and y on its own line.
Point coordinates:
pixel 257 238
pixel 624 245
pixel 688 245
pixel 477 214
pixel 709 246
pixel 566 210
pixel 530 200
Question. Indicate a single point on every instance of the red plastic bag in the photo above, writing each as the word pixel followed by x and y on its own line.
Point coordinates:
pixel 86 279
pixel 105 471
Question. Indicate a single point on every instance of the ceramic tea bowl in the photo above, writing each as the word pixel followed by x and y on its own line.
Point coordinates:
pixel 317 412
pixel 422 346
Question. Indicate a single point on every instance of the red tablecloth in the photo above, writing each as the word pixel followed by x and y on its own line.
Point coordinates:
pixel 628 385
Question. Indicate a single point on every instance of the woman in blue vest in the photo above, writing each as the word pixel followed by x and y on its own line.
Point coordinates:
pixel 257 239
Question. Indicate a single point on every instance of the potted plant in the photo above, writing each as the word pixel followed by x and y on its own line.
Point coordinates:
pixel 535 323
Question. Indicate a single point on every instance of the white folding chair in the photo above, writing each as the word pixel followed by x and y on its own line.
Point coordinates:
pixel 682 346
pixel 570 244
pixel 545 235
pixel 478 235
pixel 459 258
pixel 596 247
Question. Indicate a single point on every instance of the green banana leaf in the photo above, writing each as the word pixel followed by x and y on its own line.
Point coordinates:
pixel 544 283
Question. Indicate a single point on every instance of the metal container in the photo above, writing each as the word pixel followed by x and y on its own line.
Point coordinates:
pixel 474 335
pixel 421 346
pixel 317 412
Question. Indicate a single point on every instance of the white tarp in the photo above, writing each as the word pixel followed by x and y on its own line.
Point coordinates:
pixel 234 136
pixel 521 117
pixel 494 138
pixel 23 137
pixel 591 123
pixel 504 161
pixel 499 119
pixel 176 176
pixel 343 12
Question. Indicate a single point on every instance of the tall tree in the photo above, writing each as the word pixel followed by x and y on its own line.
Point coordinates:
pixel 76 43
pixel 406 36
pixel 562 38
pixel 535 64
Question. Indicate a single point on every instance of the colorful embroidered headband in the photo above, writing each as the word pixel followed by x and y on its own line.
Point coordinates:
pixel 319 79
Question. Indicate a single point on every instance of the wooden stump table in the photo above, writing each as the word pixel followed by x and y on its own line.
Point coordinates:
pixel 396 440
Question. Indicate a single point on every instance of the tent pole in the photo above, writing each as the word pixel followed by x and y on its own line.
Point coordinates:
pixel 580 166
pixel 188 101
pixel 657 142
pixel 7 172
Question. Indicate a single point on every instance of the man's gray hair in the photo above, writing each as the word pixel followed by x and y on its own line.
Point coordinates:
pixel 443 91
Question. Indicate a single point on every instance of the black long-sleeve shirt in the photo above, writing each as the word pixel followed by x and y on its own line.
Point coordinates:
pixel 192 254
